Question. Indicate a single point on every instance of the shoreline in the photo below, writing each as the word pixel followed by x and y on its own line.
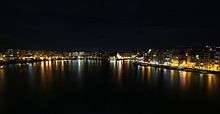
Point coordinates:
pixel 176 68
pixel 3 63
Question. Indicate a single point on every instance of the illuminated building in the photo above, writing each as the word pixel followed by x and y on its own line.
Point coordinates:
pixel 207 58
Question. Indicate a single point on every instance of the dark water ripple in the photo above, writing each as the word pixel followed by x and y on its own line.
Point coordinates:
pixel 105 87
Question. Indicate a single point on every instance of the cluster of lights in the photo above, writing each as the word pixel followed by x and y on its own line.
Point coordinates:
pixel 184 64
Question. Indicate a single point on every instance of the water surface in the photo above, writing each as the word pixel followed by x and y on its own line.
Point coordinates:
pixel 105 87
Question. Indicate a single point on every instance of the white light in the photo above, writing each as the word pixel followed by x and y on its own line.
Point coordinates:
pixel 118 56
pixel 149 50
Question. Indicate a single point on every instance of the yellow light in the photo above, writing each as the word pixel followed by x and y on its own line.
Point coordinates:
pixel 42 58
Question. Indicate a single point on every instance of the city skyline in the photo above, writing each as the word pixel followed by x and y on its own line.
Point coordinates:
pixel 206 58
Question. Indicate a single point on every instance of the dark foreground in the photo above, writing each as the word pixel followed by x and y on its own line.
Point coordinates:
pixel 86 87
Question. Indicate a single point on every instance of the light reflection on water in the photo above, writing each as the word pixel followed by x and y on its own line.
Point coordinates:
pixel 142 74
pixel 121 71
pixel 2 81
pixel 46 75
pixel 148 74
pixel 212 84
pixel 182 80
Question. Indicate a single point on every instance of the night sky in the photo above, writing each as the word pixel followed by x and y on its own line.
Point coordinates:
pixel 108 24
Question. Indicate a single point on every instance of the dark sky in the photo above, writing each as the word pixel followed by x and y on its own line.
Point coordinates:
pixel 108 24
